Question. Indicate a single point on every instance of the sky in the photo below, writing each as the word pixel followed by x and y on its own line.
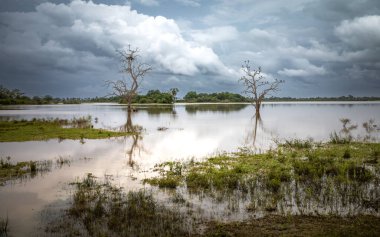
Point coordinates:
pixel 68 48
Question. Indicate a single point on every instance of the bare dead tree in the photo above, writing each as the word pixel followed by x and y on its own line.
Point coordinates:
pixel 134 72
pixel 256 86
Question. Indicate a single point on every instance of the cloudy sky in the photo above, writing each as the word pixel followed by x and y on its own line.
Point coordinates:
pixel 68 48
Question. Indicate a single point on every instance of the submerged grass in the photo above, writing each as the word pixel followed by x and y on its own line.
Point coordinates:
pixel 44 129
pixel 27 169
pixel 298 226
pixel 300 161
pixel 101 209
pixel 297 180
pixel 9 170
pixel 4 226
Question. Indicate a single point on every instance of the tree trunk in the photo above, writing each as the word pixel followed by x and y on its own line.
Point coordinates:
pixel 129 102
pixel 257 107
pixel 129 125
pixel 255 129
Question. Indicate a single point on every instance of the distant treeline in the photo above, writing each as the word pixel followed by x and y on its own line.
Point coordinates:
pixel 340 98
pixel 227 97
pixel 15 96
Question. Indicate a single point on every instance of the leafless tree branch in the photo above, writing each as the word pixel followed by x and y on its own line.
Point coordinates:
pixel 256 86
pixel 134 72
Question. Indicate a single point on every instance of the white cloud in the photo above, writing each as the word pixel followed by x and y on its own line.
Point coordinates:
pixel 361 32
pixel 304 69
pixel 301 72
pixel 215 35
pixel 265 38
pixel 68 34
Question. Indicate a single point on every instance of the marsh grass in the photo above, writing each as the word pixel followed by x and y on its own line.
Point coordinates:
pixel 337 138
pixel 344 136
pixel 9 170
pixel 299 143
pixel 81 122
pixel 44 129
pixel 102 209
pixel 62 161
pixel 299 162
pixel 4 226
pixel 27 169
pixel 318 176
pixel 275 225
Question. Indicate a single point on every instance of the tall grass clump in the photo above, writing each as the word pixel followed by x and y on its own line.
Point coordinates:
pixel 10 170
pixel 336 138
pixel 103 209
pixel 81 122
pixel 298 143
pixel 4 227
pixel 371 128
pixel 345 134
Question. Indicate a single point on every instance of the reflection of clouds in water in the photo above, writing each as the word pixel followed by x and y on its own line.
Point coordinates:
pixel 52 149
pixel 191 134
pixel 178 145
pixel 315 120
pixel 20 208
pixel 200 133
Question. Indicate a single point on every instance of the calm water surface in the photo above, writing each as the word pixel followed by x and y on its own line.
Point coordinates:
pixel 190 132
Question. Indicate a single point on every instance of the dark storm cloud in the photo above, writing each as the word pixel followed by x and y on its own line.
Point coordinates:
pixel 321 48
pixel 338 10
pixel 72 43
pixel 324 47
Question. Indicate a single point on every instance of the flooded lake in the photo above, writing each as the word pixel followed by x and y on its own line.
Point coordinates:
pixel 169 133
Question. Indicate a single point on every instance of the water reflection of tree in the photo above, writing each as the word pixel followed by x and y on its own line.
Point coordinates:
pixel 157 110
pixel 259 121
pixel 136 136
pixel 220 108
pixel 253 133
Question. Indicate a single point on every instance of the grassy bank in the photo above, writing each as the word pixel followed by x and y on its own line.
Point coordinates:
pixel 41 129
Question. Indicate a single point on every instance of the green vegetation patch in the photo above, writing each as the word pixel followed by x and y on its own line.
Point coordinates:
pixel 102 209
pixel 304 162
pixel 42 129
